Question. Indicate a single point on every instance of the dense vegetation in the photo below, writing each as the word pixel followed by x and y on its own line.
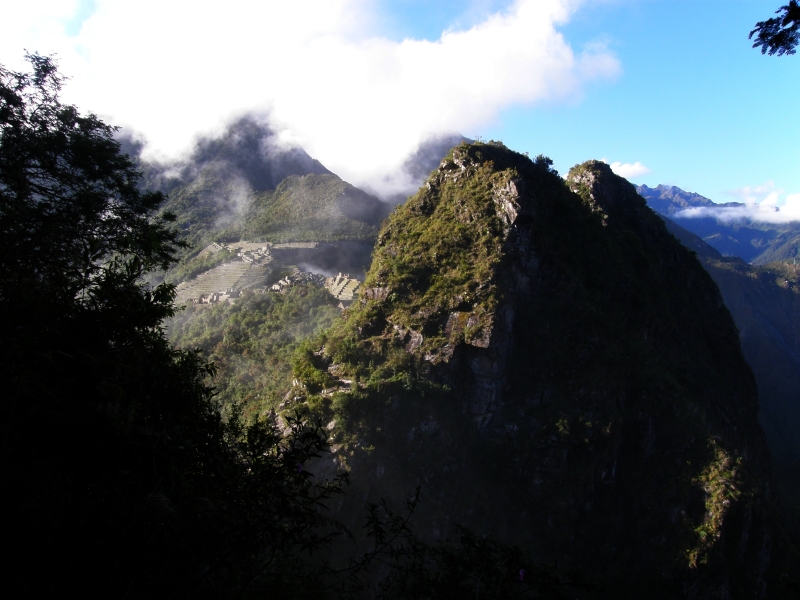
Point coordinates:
pixel 316 207
pixel 313 208
pixel 251 343
pixel 126 482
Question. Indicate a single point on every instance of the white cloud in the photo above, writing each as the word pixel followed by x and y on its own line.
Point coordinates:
pixel 25 26
pixel 763 203
pixel 756 194
pixel 356 101
pixel 629 170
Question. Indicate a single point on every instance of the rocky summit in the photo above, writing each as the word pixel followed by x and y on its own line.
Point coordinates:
pixel 554 369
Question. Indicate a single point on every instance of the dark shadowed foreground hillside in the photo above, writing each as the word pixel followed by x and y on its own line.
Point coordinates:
pixel 763 301
pixel 554 369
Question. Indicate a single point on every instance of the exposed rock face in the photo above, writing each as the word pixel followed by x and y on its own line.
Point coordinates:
pixel 556 370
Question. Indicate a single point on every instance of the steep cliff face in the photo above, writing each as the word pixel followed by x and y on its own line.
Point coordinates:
pixel 556 370
pixel 765 305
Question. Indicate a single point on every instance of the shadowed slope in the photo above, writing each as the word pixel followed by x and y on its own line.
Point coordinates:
pixel 554 369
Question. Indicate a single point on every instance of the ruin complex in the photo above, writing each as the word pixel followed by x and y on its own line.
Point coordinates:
pixel 250 267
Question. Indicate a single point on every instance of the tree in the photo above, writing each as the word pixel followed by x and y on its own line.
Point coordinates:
pixel 779 35
pixel 122 478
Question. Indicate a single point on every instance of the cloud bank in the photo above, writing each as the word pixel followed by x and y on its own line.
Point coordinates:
pixel 357 100
pixel 762 203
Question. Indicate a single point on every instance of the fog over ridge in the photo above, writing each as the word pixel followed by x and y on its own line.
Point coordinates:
pixel 331 80
pixel 767 210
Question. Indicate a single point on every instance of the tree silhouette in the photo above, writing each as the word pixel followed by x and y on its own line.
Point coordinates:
pixel 122 478
pixel 779 35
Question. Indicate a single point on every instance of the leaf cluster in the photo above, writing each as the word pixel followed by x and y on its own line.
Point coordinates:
pixel 71 214
pixel 779 35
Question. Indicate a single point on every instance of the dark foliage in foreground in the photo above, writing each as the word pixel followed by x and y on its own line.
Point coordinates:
pixel 123 478
pixel 466 566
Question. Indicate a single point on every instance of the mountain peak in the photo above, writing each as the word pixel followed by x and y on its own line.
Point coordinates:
pixel 546 351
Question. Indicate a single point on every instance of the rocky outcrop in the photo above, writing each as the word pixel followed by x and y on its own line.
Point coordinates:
pixel 556 370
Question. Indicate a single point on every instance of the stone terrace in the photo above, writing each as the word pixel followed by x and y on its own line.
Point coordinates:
pixel 232 275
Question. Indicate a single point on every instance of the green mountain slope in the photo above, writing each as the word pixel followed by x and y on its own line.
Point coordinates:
pixel 313 208
pixel 251 342
pixel 245 185
pixel 246 182
pixel 554 369
pixel 248 149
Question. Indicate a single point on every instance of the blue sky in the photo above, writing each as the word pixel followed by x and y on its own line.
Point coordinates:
pixel 695 103
pixel 671 84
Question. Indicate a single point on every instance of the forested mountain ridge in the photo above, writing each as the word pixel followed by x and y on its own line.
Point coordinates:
pixel 314 208
pixel 246 184
pixel 248 149
pixel 553 368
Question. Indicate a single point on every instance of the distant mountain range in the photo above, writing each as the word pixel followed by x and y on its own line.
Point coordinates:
pixel 730 232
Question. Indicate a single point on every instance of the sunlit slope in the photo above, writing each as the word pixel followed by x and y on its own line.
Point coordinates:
pixel 314 208
pixel 553 368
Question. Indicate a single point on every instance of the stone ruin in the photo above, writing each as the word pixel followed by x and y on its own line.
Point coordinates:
pixel 250 267
pixel 343 288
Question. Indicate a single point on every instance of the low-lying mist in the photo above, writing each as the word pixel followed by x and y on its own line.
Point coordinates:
pixel 736 212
